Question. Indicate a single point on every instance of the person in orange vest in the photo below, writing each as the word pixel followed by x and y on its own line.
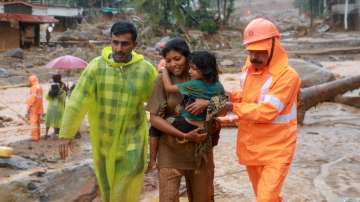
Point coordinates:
pixel 266 109
pixel 35 107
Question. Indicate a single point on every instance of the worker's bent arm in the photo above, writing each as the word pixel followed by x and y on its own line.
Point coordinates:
pixel 272 103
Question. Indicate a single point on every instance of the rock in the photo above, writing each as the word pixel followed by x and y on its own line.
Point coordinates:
pixel 38 173
pixel 44 197
pixel 227 62
pixel 106 32
pixel 161 43
pixel 3 73
pixel 52 160
pixel 323 28
pixel 310 73
pixel 29 66
pixel 76 36
pixel 73 183
pixel 15 53
pixel 6 119
pixel 17 162
pixel 31 186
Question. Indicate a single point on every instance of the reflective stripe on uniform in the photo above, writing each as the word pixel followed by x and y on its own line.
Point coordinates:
pixel 286 118
pixel 243 76
pixel 273 101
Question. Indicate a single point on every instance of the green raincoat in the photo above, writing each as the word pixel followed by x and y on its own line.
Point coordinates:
pixel 114 94
pixel 55 110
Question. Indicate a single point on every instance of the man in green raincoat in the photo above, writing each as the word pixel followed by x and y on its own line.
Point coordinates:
pixel 113 89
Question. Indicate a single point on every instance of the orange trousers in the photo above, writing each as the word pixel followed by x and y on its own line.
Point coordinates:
pixel 267 181
pixel 34 120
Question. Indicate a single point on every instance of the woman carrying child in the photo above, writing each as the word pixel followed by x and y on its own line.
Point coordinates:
pixel 178 140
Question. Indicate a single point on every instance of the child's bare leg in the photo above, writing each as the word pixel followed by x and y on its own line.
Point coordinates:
pixel 154 146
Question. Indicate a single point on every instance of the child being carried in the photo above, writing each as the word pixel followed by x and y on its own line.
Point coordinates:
pixel 204 84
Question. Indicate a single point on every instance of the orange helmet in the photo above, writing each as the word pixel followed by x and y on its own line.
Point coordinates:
pixel 259 29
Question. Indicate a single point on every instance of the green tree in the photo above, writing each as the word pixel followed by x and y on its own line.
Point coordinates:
pixel 187 13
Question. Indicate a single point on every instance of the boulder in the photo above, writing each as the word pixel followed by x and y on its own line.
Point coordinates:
pixel 29 66
pixel 73 183
pixel 3 73
pixel 310 73
pixel 76 36
pixel 17 162
pixel 15 53
pixel 227 63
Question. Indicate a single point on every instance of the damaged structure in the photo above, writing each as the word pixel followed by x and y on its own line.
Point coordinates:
pixel 20 22
pixel 19 27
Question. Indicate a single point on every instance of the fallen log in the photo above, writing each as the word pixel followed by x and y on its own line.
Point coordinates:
pixel 310 97
pixel 347 100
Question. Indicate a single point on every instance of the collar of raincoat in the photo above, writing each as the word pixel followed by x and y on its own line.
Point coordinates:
pixel 108 50
pixel 279 60
pixel 33 80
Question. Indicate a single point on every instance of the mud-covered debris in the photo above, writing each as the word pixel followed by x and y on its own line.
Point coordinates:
pixel 227 63
pixel 3 73
pixel 17 162
pixel 310 73
pixel 15 53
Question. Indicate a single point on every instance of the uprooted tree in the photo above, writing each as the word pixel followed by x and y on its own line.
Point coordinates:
pixel 311 96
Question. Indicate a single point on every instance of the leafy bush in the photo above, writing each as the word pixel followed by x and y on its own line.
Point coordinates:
pixel 209 26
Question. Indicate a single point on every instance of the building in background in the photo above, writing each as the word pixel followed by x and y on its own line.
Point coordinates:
pixel 19 26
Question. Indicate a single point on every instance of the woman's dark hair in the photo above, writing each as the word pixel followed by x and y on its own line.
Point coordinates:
pixel 207 65
pixel 124 28
pixel 178 45
pixel 54 90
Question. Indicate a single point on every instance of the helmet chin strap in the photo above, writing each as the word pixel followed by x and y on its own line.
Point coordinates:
pixel 272 50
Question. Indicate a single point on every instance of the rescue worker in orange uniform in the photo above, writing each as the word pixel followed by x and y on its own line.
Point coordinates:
pixel 35 107
pixel 266 109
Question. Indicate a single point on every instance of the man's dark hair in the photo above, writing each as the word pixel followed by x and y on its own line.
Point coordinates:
pixel 176 44
pixel 122 27
pixel 56 78
pixel 207 65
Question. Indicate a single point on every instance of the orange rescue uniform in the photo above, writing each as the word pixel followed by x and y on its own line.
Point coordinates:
pixel 266 108
pixel 35 107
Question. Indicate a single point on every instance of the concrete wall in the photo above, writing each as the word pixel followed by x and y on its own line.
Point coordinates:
pixel 39 11
pixel 10 36
pixel 63 12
